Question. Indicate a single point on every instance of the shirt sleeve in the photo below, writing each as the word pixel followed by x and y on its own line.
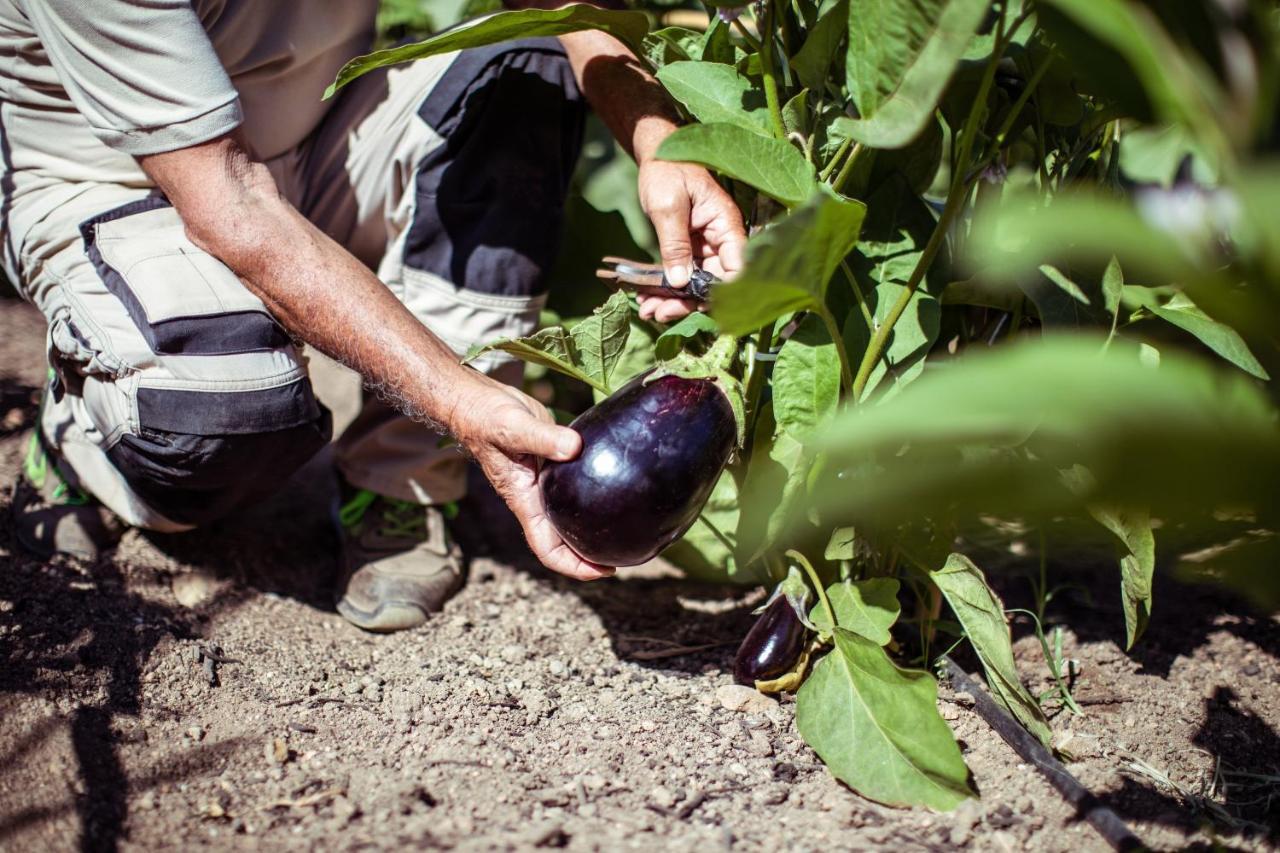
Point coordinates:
pixel 143 73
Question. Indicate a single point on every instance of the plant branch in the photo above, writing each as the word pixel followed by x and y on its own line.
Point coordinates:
pixel 752 41
pixel 837 338
pixel 955 200
pixel 847 169
pixel 815 580
pixel 858 297
pixel 766 73
pixel 755 375
pixel 835 160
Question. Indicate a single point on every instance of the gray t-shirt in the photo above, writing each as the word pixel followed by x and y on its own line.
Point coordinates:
pixel 87 85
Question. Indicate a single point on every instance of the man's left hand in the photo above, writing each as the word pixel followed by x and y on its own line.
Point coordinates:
pixel 698 225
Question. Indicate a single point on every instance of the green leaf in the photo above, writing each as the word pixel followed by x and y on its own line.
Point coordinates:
pixel 841 544
pixel 675 338
pixel 806 379
pixel 1061 302
pixel 893 238
pixel 671 44
pixel 772 166
pixel 551 348
pixel 1113 288
pixel 774 487
pixel 716 93
pixel 1137 562
pixel 981 612
pixel 868 608
pixel 599 340
pixel 789 264
pixel 707 551
pixel 1219 337
pixel 628 27
pixel 877 728
pixel 813 60
pixel 636 357
pixel 589 352
pixel 899 59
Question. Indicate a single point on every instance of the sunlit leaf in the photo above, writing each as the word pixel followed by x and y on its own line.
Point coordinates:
pixel 773 166
pixel 867 608
pixel 789 264
pixel 626 26
pixel 877 727
pixel 981 613
pixel 898 61
pixel 806 379
pixel 716 93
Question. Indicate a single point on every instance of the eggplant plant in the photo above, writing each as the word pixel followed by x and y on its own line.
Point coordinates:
pixel 1012 263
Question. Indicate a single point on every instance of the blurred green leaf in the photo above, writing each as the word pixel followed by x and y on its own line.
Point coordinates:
pixel 899 59
pixel 671 44
pixel 716 93
pixel 981 612
pixel 789 264
pixel 877 727
pixel 773 166
pixel 774 487
pixel 628 27
pixel 986 434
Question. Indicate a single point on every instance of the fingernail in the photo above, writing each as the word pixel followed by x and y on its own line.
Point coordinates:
pixel 566 446
pixel 678 275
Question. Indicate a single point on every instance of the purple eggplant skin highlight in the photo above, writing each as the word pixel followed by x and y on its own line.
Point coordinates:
pixel 651 454
pixel 772 646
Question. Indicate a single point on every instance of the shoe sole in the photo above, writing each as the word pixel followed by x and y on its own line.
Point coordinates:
pixel 388 617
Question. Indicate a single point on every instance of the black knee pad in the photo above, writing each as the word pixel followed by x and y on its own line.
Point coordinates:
pixel 490 200
pixel 194 478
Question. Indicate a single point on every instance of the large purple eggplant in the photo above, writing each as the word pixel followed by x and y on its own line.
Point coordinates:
pixel 651 453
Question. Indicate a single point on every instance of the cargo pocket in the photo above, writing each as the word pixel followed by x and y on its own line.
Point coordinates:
pixel 183 300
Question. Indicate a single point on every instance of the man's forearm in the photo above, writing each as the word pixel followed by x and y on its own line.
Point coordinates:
pixel 631 103
pixel 317 290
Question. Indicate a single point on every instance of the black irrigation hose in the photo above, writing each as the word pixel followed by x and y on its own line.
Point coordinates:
pixel 1108 824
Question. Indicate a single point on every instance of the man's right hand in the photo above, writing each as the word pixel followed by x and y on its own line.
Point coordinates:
pixel 507 432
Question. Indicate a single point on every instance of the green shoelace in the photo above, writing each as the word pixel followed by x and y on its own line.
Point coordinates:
pixel 37 469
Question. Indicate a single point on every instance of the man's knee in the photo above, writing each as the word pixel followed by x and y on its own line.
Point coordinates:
pixel 490 200
pixel 198 455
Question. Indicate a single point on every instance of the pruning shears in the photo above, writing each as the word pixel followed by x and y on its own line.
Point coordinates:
pixel 649 280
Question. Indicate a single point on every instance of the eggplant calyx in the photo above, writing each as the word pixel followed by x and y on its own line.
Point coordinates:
pixel 713 366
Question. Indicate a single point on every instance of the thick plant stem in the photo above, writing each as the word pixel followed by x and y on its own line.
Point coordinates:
pixel 766 73
pixel 955 200
pixel 833 329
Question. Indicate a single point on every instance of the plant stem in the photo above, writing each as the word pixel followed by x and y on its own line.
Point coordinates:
pixel 847 169
pixel 752 41
pixel 816 581
pixel 766 72
pixel 955 200
pixel 835 160
pixel 837 338
pixel 880 338
pixel 858 297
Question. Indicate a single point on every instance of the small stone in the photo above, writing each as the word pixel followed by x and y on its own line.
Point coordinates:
pixel 737 697
pixel 759 744
pixel 513 653
pixel 195 733
pixel 194 588
pixel 277 751
pixel 352 688
pixel 1129 722
pixel 964 698
pixel 662 797
pixel 557 668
